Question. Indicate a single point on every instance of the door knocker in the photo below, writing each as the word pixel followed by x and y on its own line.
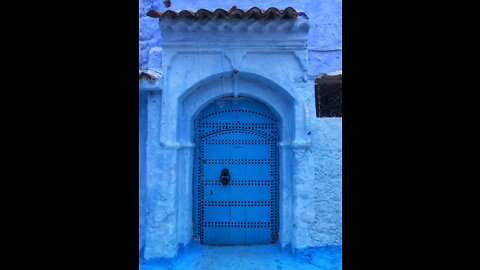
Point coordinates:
pixel 225 177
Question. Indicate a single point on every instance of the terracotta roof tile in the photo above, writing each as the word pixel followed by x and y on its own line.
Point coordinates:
pixel 148 75
pixel 233 13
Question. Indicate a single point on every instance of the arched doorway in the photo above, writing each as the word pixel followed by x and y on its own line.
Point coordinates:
pixel 236 173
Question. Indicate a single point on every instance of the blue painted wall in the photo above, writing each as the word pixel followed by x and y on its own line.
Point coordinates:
pixel 325 56
pixel 327 150
pixel 142 165
pixel 324 41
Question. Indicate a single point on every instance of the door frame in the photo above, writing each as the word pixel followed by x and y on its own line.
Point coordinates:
pixel 170 157
pixel 292 146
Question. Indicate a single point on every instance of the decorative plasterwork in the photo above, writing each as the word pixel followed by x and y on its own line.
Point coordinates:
pixel 225 26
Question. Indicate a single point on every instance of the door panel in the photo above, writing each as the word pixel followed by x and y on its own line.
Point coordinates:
pixel 239 135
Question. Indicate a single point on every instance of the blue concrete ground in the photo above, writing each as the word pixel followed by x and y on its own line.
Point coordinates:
pixel 263 257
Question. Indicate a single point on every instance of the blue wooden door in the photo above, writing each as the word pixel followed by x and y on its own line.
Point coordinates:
pixel 239 135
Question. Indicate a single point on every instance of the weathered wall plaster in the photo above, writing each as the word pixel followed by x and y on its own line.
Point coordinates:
pixel 326 229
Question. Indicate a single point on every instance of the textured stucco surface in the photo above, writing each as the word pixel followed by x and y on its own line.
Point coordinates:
pixel 312 156
pixel 142 166
pixel 326 229
pixel 324 40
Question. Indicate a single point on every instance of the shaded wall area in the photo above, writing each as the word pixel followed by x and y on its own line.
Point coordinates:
pixel 142 166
